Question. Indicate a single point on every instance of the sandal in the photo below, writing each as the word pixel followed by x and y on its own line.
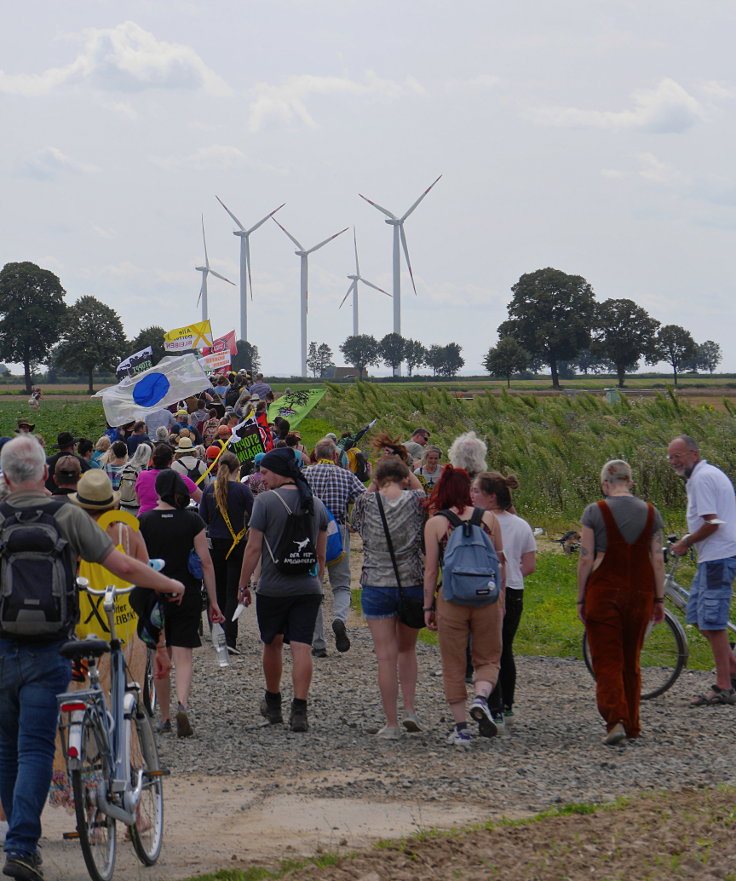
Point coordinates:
pixel 716 697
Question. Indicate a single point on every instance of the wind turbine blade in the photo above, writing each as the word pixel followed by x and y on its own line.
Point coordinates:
pixel 419 200
pixel 204 239
pixel 217 275
pixel 350 291
pixel 376 205
pixel 406 254
pixel 247 260
pixel 288 234
pixel 254 228
pixel 317 247
pixel 375 287
pixel 202 286
pixel 240 225
pixel 355 242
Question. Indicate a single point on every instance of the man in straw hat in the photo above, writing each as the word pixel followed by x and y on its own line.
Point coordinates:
pixel 28 710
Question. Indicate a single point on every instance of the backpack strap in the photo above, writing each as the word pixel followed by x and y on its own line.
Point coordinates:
pixel 451 516
pixel 477 518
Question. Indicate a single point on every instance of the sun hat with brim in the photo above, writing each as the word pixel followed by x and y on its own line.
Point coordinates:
pixel 64 440
pixel 25 423
pixel 182 413
pixel 184 446
pixel 95 492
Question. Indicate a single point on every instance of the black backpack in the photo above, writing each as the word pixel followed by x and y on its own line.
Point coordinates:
pixel 295 553
pixel 38 590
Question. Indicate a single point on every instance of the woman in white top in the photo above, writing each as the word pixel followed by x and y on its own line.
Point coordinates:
pixel 430 469
pixel 492 491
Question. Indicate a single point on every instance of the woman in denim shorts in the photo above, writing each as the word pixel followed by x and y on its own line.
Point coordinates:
pixel 394 642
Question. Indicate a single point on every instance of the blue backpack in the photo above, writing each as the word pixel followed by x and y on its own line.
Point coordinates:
pixel 335 551
pixel 470 568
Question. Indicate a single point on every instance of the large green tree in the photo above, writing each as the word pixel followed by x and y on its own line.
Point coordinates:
pixel 150 336
pixel 93 340
pixel 445 360
pixel 708 356
pixel 361 351
pixel 391 350
pixel 414 354
pixel 624 333
pixel 247 357
pixel 507 358
pixel 32 315
pixel 551 316
pixel 319 358
pixel 675 346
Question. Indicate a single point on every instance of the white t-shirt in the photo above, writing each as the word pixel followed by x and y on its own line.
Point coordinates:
pixel 518 539
pixel 709 491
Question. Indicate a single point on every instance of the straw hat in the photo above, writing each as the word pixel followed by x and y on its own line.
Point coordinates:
pixel 24 423
pixel 184 447
pixel 95 492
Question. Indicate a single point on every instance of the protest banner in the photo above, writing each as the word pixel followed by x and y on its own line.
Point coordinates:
pixel 191 336
pixel 215 361
pixel 136 363
pixel 294 406
pixel 225 343
pixel 246 440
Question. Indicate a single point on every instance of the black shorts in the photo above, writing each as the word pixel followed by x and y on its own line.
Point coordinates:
pixel 181 623
pixel 293 617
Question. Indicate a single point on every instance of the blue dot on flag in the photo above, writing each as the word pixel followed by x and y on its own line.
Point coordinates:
pixel 151 389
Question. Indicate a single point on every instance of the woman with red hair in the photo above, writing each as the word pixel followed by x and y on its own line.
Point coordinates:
pixel 455 622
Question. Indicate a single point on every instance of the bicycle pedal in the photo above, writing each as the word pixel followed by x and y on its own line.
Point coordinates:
pixel 68 836
pixel 162 772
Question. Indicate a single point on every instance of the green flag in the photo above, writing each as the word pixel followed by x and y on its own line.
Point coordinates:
pixel 294 406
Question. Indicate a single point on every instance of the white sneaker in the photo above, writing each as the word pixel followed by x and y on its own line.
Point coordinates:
pixel 389 732
pixel 459 737
pixel 481 713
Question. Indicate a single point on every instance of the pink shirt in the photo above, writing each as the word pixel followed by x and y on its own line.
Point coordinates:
pixel 145 487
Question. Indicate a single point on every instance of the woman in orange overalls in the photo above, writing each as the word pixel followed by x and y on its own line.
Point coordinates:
pixel 620 589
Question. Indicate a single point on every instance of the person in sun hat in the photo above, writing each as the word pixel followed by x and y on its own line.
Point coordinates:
pixel 186 461
pixel 24 426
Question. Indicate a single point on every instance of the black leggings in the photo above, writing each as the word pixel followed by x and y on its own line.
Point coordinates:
pixel 502 695
pixel 227 575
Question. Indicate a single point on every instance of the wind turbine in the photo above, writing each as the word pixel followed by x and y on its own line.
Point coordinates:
pixel 245 277
pixel 399 235
pixel 304 253
pixel 354 288
pixel 205 270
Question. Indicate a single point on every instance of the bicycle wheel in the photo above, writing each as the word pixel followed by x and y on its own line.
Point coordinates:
pixel 96 829
pixel 149 685
pixel 148 831
pixel 663 655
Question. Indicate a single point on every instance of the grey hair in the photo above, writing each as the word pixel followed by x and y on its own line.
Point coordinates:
pixel 141 455
pixel 468 451
pixel 162 434
pixel 325 449
pixel 689 442
pixel 22 460
pixel 616 471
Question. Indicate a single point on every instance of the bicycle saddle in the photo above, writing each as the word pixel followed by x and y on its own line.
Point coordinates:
pixel 84 648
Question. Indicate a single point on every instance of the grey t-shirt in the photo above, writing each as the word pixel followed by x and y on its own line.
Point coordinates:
pixel 630 515
pixel 269 517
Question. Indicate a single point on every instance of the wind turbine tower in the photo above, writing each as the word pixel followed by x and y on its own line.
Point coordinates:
pixel 245 276
pixel 303 254
pixel 354 288
pixel 205 270
pixel 399 242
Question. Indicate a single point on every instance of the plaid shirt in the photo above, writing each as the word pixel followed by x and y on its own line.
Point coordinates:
pixel 335 486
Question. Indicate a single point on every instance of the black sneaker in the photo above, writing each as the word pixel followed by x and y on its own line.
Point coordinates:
pixel 298 719
pixel 271 710
pixel 319 653
pixel 25 866
pixel 233 650
pixel 342 640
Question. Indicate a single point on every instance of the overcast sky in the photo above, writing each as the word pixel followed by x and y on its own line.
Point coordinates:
pixel 593 136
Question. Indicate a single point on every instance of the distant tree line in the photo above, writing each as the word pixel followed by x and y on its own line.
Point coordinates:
pixel 365 351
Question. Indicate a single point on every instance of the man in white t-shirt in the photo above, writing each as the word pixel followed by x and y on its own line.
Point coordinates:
pixel 711 523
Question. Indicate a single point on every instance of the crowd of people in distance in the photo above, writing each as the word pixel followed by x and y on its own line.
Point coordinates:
pixel 272 531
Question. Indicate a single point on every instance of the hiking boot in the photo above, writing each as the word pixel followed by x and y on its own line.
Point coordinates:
pixel 24 866
pixel 271 709
pixel 459 737
pixel 298 717
pixel 482 715
pixel 183 725
pixel 342 640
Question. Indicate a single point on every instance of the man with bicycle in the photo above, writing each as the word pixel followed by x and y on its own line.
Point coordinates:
pixel 711 523
pixel 32 672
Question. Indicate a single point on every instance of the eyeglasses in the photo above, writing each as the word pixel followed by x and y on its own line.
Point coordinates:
pixel 674 457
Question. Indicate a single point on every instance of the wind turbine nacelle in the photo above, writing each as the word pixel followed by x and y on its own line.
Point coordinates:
pixel 201 268
pixel 392 222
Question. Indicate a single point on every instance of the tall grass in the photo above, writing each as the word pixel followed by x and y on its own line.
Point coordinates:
pixel 555 445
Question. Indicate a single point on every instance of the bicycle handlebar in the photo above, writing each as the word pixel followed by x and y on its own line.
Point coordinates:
pixel 83 583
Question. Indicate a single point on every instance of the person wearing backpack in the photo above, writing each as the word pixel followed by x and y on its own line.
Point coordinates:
pixel 466 543
pixel 129 475
pixel 187 463
pixel 40 541
pixel 288 535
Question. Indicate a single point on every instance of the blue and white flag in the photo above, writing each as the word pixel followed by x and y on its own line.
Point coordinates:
pixel 172 379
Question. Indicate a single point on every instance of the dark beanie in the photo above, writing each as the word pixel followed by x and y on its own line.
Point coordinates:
pixel 282 461
pixel 171 489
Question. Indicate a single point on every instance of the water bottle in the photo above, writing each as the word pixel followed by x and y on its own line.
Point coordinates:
pixel 218 641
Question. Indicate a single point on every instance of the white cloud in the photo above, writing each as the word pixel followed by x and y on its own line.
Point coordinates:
pixel 49 162
pixel 214 156
pixel 124 58
pixel 667 108
pixel 650 168
pixel 284 104
pixel 716 89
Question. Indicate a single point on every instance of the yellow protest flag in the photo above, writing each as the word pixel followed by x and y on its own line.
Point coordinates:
pixel 191 336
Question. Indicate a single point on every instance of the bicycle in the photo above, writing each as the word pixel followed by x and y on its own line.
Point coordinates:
pixel 111 756
pixel 666 649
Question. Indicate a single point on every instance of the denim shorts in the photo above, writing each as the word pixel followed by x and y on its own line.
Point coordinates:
pixel 710 595
pixel 383 602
